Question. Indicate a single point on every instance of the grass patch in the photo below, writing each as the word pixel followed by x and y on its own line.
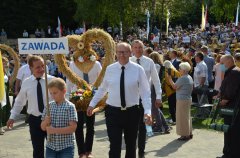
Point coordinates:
pixel 197 122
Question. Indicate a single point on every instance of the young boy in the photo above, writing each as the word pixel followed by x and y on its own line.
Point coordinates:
pixel 61 124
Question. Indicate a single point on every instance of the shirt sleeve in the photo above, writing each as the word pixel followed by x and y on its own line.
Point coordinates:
pixel 44 113
pixel 73 113
pixel 20 74
pixel 144 90
pixel 156 81
pixel 47 69
pixel 19 103
pixel 101 92
pixel 99 68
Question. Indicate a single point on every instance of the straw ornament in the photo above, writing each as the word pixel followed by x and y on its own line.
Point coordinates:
pixel 84 57
pixel 16 59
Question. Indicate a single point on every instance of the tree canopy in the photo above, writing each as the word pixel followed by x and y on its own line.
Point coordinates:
pixel 17 15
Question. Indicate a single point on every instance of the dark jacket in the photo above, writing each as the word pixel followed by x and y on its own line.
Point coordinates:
pixel 231 85
pixel 176 63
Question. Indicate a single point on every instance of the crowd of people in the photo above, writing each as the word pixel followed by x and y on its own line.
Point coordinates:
pixel 174 65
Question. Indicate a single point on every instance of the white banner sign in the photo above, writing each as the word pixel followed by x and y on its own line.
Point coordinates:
pixel 43 45
pixel 186 39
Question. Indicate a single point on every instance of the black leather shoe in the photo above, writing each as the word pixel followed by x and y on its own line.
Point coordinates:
pixel 141 155
pixel 184 138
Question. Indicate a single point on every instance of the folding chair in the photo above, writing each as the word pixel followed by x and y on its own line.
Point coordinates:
pixel 203 108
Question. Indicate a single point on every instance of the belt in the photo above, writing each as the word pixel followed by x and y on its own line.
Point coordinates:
pixel 30 115
pixel 121 108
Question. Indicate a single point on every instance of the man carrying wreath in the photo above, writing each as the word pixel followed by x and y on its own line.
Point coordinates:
pixel 84 145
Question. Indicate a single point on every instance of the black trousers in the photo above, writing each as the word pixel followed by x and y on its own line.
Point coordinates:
pixel 172 106
pixel 84 145
pixel 232 139
pixel 119 122
pixel 141 131
pixel 210 97
pixel 37 136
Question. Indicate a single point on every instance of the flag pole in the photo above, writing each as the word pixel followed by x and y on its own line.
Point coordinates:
pixel 121 31
pixel 236 22
pixel 59 28
pixel 46 84
pixel 203 17
pixel 167 21
pixel 47 98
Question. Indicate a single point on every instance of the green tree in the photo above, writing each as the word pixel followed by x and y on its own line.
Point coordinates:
pixel 96 12
pixel 15 16
pixel 224 10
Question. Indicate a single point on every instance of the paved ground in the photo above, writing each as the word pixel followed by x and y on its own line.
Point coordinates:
pixel 205 144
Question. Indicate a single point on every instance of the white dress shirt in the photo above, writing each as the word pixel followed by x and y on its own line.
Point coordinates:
pixel 135 83
pixel 28 93
pixel 151 72
pixel 92 75
pixel 24 72
pixel 200 71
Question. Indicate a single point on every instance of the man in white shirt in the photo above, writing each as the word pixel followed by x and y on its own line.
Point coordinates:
pixel 200 76
pixel 122 111
pixel 152 75
pixel 84 145
pixel 23 73
pixel 33 91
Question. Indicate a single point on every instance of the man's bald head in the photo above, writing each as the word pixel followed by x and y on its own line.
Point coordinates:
pixel 125 45
pixel 228 60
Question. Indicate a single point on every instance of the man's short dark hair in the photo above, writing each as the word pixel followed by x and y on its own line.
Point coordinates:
pixel 33 59
pixel 199 55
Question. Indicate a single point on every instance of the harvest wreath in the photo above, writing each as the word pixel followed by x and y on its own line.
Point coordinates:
pixel 84 58
pixel 16 60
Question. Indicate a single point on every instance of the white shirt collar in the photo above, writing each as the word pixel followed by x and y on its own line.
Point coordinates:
pixel 200 62
pixel 34 78
pixel 126 65
pixel 173 60
pixel 141 57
